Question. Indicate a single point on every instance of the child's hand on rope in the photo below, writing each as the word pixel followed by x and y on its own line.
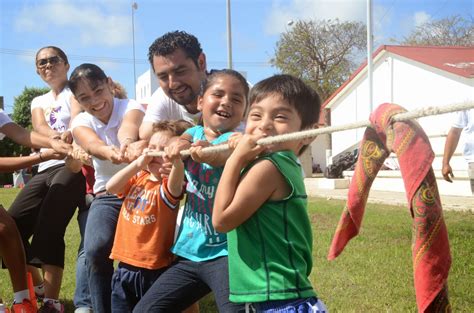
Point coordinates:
pixel 144 159
pixel 247 149
pixel 172 152
pixel 234 140
pixel 198 155
pixel 172 155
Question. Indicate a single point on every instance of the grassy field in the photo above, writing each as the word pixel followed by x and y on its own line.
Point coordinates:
pixel 373 274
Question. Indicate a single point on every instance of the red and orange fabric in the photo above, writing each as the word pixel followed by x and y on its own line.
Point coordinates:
pixel 430 244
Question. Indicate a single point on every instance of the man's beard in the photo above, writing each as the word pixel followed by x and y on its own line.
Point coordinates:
pixel 187 99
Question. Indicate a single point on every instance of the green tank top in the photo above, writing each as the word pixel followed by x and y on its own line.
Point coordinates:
pixel 270 255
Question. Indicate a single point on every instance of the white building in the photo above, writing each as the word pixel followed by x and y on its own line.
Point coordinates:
pixel 147 83
pixel 413 77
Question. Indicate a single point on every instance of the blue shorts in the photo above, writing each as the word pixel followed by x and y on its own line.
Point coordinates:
pixel 306 305
pixel 129 284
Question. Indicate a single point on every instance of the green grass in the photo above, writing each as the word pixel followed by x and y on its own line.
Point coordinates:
pixel 373 274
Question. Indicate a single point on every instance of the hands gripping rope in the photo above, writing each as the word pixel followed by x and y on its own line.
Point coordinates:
pixel 312 133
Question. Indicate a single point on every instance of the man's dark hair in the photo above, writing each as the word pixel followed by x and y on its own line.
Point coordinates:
pixel 172 41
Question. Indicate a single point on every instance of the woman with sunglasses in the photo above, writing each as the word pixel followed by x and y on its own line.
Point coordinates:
pixel 43 208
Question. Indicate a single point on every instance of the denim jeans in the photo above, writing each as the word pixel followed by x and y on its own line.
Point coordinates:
pixel 98 241
pixel 129 284
pixel 185 282
pixel 308 305
pixel 82 297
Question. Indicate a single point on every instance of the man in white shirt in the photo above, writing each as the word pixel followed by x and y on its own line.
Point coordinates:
pixel 464 120
pixel 180 66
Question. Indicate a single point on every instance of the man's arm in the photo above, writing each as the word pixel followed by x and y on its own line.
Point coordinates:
pixel 449 147
pixel 146 130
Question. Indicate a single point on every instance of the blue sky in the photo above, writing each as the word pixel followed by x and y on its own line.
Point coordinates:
pixel 100 31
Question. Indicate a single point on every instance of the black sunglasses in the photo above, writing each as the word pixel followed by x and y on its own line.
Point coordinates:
pixel 41 63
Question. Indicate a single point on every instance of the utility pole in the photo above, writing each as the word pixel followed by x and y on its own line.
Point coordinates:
pixel 134 7
pixel 229 37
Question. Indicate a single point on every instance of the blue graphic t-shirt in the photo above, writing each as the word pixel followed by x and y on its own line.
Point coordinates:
pixel 197 240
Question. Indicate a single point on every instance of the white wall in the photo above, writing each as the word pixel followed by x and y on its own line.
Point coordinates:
pixel 146 85
pixel 417 85
pixel 404 82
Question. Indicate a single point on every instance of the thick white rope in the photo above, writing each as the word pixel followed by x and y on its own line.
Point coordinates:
pixel 311 133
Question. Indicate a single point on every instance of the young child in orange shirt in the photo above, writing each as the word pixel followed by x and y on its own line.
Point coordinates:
pixel 146 224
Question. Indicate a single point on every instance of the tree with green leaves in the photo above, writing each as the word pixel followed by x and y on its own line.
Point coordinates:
pixel 450 31
pixel 22 116
pixel 322 53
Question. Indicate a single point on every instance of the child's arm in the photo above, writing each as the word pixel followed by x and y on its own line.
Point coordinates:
pixel 176 177
pixel 237 198
pixel 216 159
pixel 119 180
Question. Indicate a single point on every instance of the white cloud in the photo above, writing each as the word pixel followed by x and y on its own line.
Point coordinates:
pixel 92 23
pixel 344 10
pixel 421 18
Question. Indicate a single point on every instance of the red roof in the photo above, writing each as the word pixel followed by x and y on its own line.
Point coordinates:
pixel 456 60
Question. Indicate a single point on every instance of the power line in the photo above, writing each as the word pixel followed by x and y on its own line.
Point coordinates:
pixel 386 11
pixel 439 9
pixel 94 59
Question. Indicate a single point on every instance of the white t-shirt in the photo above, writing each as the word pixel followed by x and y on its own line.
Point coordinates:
pixel 104 169
pixel 162 107
pixel 465 120
pixel 57 113
pixel 4 119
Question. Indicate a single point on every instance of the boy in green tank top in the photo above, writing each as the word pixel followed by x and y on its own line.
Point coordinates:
pixel 261 202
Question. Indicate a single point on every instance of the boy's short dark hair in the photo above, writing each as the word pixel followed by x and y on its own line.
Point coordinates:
pixel 176 127
pixel 172 41
pixel 293 90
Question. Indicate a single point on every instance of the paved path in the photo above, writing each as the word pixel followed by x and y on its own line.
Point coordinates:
pixel 456 203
